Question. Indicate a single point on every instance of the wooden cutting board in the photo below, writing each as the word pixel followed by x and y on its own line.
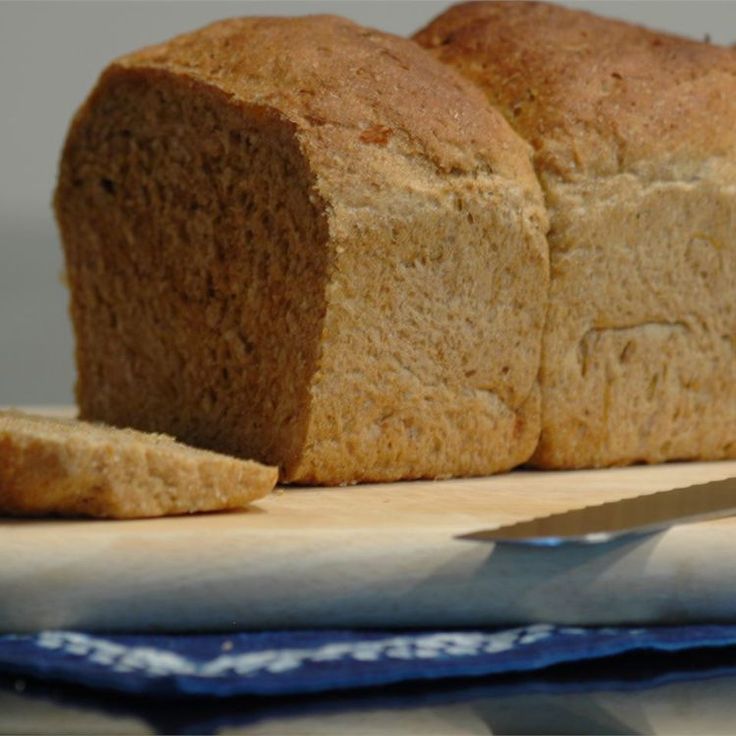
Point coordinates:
pixel 372 555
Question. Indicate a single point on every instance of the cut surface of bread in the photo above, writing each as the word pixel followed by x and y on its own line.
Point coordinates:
pixel 66 467
pixel 309 243
pixel 634 135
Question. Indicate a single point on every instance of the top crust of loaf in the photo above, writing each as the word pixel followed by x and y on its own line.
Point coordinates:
pixel 347 91
pixel 582 88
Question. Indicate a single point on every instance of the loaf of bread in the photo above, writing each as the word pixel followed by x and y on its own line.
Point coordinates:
pixel 70 468
pixel 306 242
pixel 634 134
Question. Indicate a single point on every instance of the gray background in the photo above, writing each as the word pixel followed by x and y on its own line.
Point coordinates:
pixel 50 55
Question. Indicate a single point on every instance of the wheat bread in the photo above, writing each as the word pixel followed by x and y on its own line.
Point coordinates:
pixel 634 135
pixel 66 467
pixel 309 243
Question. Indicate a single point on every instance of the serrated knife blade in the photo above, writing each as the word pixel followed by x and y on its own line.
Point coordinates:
pixel 605 522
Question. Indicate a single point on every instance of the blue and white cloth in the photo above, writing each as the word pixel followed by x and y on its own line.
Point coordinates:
pixel 299 662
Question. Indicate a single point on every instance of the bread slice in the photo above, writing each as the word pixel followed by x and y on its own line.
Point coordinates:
pixel 67 467
pixel 309 243
pixel 634 135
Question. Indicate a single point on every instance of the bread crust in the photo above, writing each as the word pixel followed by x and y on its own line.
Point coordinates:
pixel 594 96
pixel 341 77
pixel 65 467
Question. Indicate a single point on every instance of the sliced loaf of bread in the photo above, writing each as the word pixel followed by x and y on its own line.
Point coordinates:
pixel 309 243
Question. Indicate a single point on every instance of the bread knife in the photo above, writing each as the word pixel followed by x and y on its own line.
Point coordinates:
pixel 605 522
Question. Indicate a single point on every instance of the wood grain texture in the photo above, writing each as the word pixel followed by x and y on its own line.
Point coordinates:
pixel 372 555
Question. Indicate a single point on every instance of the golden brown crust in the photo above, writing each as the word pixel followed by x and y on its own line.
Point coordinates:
pixel 593 95
pixel 373 85
pixel 71 468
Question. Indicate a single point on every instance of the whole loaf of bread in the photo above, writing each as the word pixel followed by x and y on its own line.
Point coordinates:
pixel 309 243
pixel 634 135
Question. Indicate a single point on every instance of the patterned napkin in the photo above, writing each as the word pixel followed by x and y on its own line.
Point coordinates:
pixel 299 662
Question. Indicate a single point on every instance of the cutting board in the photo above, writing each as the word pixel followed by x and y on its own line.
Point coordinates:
pixel 384 555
